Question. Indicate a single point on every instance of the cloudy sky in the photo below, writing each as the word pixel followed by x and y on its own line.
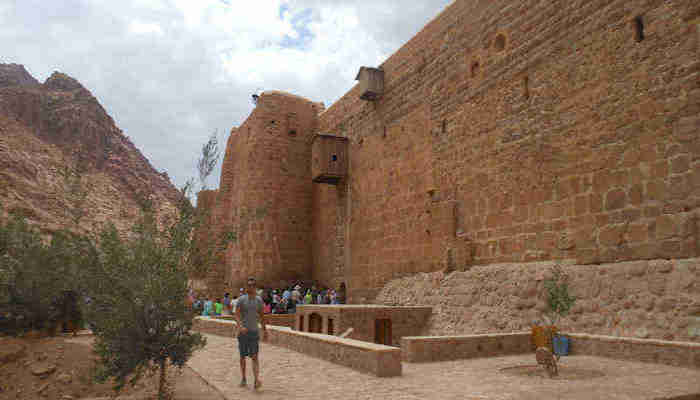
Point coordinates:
pixel 171 72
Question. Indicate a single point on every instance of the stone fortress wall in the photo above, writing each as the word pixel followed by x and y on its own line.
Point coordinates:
pixel 509 132
pixel 264 196
pixel 522 131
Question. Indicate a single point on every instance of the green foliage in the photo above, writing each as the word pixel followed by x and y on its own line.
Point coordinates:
pixel 208 159
pixel 559 301
pixel 138 286
pixel 37 274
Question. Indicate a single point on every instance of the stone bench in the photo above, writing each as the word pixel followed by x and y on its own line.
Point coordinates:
pixel 375 359
pixel 445 348
pixel 679 354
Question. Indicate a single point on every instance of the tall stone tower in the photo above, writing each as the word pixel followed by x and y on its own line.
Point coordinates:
pixel 265 192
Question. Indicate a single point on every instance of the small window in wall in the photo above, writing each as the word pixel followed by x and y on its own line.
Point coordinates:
pixel 475 69
pixel 330 327
pixel 292 133
pixel 301 323
pixel 500 43
pixel 638 24
pixel 334 157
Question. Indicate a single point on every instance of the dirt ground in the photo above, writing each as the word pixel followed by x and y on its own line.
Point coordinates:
pixel 72 377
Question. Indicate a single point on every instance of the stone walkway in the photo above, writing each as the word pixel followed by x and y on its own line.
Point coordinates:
pixel 287 373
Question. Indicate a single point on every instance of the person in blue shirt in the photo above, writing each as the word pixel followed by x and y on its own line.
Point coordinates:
pixel 208 308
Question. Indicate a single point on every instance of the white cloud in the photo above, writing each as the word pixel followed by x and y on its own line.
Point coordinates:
pixel 145 28
pixel 172 71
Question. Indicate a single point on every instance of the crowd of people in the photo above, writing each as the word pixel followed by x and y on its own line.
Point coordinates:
pixel 277 301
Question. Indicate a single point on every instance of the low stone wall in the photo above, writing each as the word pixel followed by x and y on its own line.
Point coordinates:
pixel 379 360
pixel 376 359
pixel 226 326
pixel 679 354
pixel 280 320
pixel 446 348
pixel 215 326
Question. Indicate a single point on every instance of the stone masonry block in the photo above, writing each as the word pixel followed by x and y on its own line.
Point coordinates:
pixel 615 199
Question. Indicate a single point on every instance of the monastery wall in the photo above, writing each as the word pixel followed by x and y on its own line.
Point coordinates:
pixel 265 192
pixel 520 131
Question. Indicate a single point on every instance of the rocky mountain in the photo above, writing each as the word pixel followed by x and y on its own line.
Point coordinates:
pixel 63 161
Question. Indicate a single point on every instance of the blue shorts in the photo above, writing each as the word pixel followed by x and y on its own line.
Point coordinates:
pixel 248 343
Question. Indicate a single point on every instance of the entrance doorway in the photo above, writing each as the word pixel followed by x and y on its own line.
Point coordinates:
pixel 315 323
pixel 382 331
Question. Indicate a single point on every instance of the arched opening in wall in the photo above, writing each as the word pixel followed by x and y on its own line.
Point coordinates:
pixel 301 322
pixel 382 331
pixel 315 323
pixel 475 68
pixel 638 24
pixel 500 43
pixel 331 329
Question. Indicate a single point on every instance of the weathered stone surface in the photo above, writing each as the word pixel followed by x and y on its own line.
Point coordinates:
pixel 561 147
pixel 10 351
pixel 614 301
pixel 42 368
pixel 64 378
pixel 63 161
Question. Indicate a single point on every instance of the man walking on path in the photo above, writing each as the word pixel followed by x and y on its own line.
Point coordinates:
pixel 249 311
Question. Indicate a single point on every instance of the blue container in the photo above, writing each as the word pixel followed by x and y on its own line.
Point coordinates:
pixel 561 345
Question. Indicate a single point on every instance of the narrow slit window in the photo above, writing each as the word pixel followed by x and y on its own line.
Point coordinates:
pixel 638 28
pixel 526 87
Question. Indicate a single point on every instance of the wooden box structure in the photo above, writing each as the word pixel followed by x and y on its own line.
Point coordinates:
pixel 371 83
pixel 370 323
pixel 329 159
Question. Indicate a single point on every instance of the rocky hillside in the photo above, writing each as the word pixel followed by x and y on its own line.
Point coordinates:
pixel 647 299
pixel 64 163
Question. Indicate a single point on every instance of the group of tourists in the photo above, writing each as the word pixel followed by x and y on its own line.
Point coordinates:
pixel 285 301
pixel 248 308
pixel 275 301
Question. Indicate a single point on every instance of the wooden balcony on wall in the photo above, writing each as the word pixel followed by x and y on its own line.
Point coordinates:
pixel 329 155
pixel 371 83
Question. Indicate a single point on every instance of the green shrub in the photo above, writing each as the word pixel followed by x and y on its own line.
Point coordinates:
pixel 559 301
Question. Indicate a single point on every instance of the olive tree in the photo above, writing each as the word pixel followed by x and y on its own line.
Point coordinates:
pixel 137 288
